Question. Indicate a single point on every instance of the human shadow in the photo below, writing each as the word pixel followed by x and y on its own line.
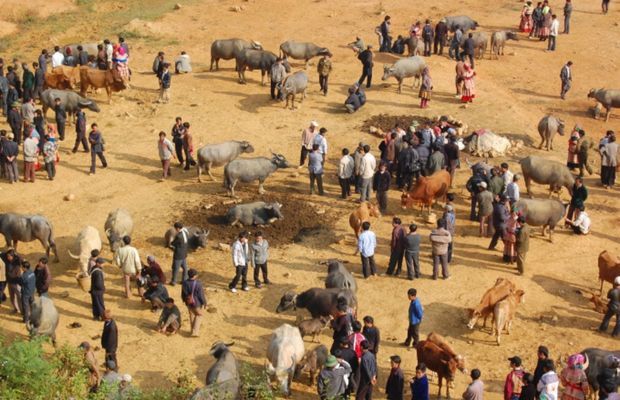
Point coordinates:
pixel 533 93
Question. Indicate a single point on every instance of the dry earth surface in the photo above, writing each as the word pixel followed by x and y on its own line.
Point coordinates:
pixel 513 94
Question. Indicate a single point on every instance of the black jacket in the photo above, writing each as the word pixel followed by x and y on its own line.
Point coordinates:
pixel 61 114
pixel 15 120
pixel 469 46
pixel 366 58
pixel 97 284
pixel 181 245
pixel 109 337
pixel 381 181
pixel 196 290
pixel 373 337
pixel 395 385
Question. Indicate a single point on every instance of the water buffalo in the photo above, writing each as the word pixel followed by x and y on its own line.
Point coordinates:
pixel 250 169
pixel 319 302
pixel 293 85
pixel 462 21
pixel 43 318
pixel 542 212
pixel 498 41
pixel 302 50
pixel 215 155
pixel 546 172
pixel 227 49
pixel 87 240
pixel 197 237
pixel 118 224
pixel 339 277
pixel 405 68
pixel 257 213
pixel 596 360
pixel 26 228
pixel 100 79
pixel 609 98
pixel 285 351
pixel 480 42
pixel 547 127
pixel 90 48
pixel 223 379
pixel 257 59
pixel 72 101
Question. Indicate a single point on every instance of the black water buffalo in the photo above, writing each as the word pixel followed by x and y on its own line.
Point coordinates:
pixel 319 302
pixel 223 377
pixel 26 228
pixel 597 361
pixel 339 277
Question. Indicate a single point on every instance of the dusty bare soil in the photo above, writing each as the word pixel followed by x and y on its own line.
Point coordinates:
pixel 513 94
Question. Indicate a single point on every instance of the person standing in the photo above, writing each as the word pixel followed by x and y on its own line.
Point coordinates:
pixel 427 35
pixel 164 84
pixel 166 154
pixel 367 373
pixel 315 169
pixel 324 68
pixel 449 217
pixel 10 151
pixel 95 138
pixel 537 19
pixel 381 184
pixel 609 157
pixel 605 6
pixel 574 378
pixel 260 255
pixel 415 314
pixel 28 284
pixel 366 58
pixel 180 245
pixel 372 334
pixel 419 383
pixel 469 84
pixel 385 28
pixel 512 190
pixel 80 132
pixel 568 10
pixel 307 140
pixel 453 51
pixel 440 239
pixel 475 389
pixel 554 30
pixel 397 247
pixel 109 337
pixel 49 157
pixel 566 76
pixel 188 146
pixel 39 81
pixel 27 82
pixel 61 118
pixel 43 276
pixel 345 173
pixel 15 122
pixel 514 379
pixel 396 381
pixel 12 263
pixel 193 296
pixel 278 73
pixel 321 141
pixel 583 147
pixel 31 151
pixel 43 60
pixel 82 56
pixel 501 214
pixel 526 18
pixel 542 355
pixel 469 49
pixel 177 138
pixel 484 198
pixel 90 360
pixel 368 165
pixel 549 383
pixel 441 32
pixel 240 253
pixel 522 244
pixel 97 289
pixel 426 88
pixel 366 245
pixel 332 380
pixel 128 260
pixel 412 252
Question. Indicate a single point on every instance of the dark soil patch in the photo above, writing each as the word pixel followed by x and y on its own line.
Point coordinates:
pixel 385 122
pixel 302 219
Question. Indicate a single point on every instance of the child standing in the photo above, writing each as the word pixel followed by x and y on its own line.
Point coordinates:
pixel 372 334
pixel 260 254
pixel 426 88
pixel 419 384
pixel 396 381
pixel 49 156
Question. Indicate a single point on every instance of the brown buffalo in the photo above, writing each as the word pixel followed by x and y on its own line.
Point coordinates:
pixel 427 189
pixel 502 289
pixel 362 214
pixel 608 268
pixel 438 361
pixel 90 77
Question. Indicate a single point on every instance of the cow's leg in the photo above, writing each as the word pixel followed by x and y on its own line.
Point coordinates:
pixel 439 385
pixel 551 229
pixel 550 143
pixel 262 78
pixel 261 190
pixel 199 170
pixel 608 114
pixel 293 102
pixel 208 169
pixel 109 92
pixel 211 66
pixel 9 242
pixel 528 181
pixel 542 141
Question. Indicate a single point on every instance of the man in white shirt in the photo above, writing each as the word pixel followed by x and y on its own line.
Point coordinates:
pixel 507 176
pixel 240 252
pixel 345 172
pixel 57 57
pixel 581 223
pixel 367 171
pixel 512 190
pixel 128 259
pixel 553 32
pixel 366 244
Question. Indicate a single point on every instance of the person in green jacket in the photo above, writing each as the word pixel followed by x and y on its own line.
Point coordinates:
pixel 522 245
pixel 27 82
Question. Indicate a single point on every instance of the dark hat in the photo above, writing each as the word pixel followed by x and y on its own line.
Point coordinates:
pixel 110 364
pixel 516 360
pixel 544 350
pixel 345 340
pixel 192 272
pixel 395 359
pixel 100 260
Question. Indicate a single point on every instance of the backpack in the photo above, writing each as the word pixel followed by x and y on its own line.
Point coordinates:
pixel 427 32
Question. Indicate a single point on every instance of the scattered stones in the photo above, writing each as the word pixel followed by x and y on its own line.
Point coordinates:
pixel 177 6
pixel 228 202
pixel 287 275
pixel 223 246
pixel 236 8
pixel 69 197
pixel 470 342
pixel 320 211
pixel 75 325
pixel 207 206
pixel 211 309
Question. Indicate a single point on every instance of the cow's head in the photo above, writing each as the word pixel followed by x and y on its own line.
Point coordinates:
pixel 561 125
pixel 451 365
pixel 273 211
pixel 460 363
pixel 512 36
pixel 202 238
pixel 324 51
pixel 373 210
pixel 246 147
pixel 287 302
pixel 256 45
pixel 520 296
pixel 87 103
pixel 287 65
pixel 474 314
pixel 387 71
pixel 592 93
pixel 279 160
pixel 218 349
pixel 114 239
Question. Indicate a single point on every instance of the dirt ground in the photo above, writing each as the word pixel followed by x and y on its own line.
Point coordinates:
pixel 513 94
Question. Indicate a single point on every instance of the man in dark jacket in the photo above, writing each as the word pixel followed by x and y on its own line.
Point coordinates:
pixel 109 337
pixel 97 289
pixel 366 58
pixel 13 263
pixel 522 245
pixel 82 56
pixel 408 166
pixel 542 356
pixel 180 244
pixel 352 103
pixel 27 82
pixel 61 118
pixel 469 49
pixel 170 318
pixel 15 122
pixel 193 296
pixel 381 184
pixel 43 276
pixel 386 39
pixel 397 247
pixel 95 138
pixel 28 283
pixel 367 374
pixel 613 308
pixel 500 219
pixel 441 31
pixel 13 80
pixel 157 294
pixel 396 381
pixel 427 35
pixel 39 82
pixel 412 252
pixel 578 198
pixel 80 132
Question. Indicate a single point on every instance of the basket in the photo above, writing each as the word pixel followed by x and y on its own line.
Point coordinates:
pixel 83 280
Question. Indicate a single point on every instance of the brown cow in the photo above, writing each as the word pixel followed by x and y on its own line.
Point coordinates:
pixel 427 189
pixel 438 361
pixel 362 214
pixel 501 290
pixel 504 312
pixel 441 342
pixel 62 78
pixel 100 79
pixel 608 268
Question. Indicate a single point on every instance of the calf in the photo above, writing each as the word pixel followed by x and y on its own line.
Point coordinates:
pixel 600 304
pixel 504 312
pixel 438 361
pixel 292 85
pixel 257 213
pixel 608 268
pixel 441 342
pixel 43 318
pixel 427 189
pixel 312 327
pixel 285 351
pixel 502 289
pixel 313 362
pixel 362 214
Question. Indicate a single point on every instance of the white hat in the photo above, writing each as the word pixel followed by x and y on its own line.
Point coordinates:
pixel 314 123
pixel 126 378
pixel 483 184
pixel 617 280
